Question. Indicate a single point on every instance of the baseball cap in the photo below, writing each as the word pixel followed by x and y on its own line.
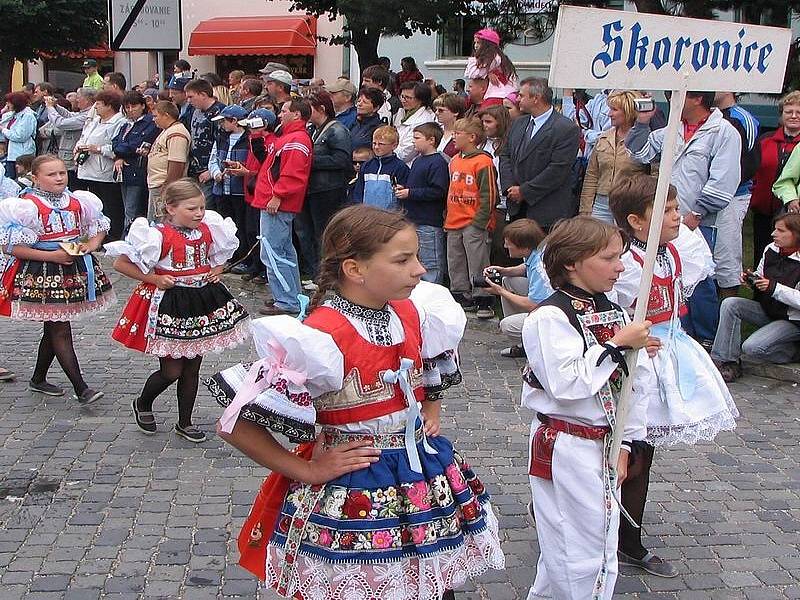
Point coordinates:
pixel 279 75
pixel 232 111
pixel 273 66
pixel 342 85
pixel 264 114
pixel 177 83
pixel 89 62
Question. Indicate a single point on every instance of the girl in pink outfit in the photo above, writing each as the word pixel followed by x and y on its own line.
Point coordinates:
pixel 489 62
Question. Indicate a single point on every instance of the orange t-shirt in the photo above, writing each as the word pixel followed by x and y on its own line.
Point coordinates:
pixel 472 194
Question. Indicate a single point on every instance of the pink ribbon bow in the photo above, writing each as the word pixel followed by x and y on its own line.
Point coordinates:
pixel 271 368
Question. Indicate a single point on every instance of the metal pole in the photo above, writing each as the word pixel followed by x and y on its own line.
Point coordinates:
pixel 130 69
pixel 653 238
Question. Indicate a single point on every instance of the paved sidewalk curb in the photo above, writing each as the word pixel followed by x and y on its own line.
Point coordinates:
pixel 788 373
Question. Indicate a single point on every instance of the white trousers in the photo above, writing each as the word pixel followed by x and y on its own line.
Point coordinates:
pixel 571 523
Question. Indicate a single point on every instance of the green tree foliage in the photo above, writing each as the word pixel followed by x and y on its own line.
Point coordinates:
pixel 367 20
pixel 29 28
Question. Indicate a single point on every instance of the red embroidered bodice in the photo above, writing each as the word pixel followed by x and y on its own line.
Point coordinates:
pixel 364 394
pixel 661 302
pixel 186 257
pixel 59 224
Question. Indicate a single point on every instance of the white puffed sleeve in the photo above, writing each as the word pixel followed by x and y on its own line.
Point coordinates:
pixel 296 364
pixel 92 217
pixel 142 245
pixel 697 262
pixel 223 234
pixel 443 324
pixel 626 288
pixel 19 223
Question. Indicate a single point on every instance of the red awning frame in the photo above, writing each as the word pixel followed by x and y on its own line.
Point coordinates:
pixel 259 36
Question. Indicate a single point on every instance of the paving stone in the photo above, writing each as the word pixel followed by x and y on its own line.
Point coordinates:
pixel 162 515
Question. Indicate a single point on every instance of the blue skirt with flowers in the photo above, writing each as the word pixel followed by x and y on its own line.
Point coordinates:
pixel 386 531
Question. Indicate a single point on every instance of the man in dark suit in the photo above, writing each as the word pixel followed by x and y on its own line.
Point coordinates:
pixel 537 160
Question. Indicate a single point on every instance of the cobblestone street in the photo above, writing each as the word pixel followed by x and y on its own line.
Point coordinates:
pixel 90 508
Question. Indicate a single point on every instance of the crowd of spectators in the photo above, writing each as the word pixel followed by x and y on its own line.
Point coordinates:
pixel 484 171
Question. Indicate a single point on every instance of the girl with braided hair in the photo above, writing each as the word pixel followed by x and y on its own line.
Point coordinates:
pixel 377 503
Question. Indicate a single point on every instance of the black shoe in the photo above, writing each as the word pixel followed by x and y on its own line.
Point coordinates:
pixel 144 418
pixel 239 269
pixel 515 351
pixel 191 433
pixel 45 388
pixel 650 562
pixel 89 396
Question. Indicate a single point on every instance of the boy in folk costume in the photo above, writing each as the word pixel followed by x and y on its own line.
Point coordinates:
pixel 573 386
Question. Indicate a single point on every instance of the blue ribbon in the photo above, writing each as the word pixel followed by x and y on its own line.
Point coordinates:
pixel 274 259
pixel 91 293
pixel 304 302
pixel 402 378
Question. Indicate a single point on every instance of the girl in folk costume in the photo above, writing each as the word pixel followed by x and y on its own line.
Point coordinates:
pixel 378 505
pixel 574 344
pixel 48 271
pixel 688 401
pixel 180 310
pixel 489 62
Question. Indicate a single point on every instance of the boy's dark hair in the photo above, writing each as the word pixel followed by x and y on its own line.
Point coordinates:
pixel 182 65
pixel 573 240
pixel 302 106
pixel 378 75
pixel 430 130
pixel 199 86
pixel 25 161
pixel 118 79
pixel 633 196
pixel 524 233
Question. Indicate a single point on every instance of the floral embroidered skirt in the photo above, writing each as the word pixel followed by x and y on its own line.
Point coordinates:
pixel 34 290
pixel 385 532
pixel 182 322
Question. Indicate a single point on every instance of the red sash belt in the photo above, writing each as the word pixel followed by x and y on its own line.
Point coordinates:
pixel 544 440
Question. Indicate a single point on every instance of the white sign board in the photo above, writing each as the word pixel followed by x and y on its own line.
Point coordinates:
pixel 596 48
pixel 145 25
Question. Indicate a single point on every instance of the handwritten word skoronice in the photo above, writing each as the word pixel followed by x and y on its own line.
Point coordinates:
pixel 638 51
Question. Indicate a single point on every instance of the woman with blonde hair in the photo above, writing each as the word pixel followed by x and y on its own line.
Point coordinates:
pixel 610 162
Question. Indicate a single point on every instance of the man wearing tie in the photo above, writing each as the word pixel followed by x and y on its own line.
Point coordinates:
pixel 536 163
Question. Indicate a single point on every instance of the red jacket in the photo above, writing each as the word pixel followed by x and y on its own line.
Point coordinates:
pixel 771 146
pixel 286 169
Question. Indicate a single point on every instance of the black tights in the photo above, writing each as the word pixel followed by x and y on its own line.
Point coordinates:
pixel 634 496
pixel 186 371
pixel 57 343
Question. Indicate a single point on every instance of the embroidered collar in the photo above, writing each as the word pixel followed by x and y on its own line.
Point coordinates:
pixel 662 248
pixel 662 258
pixel 57 200
pixel 376 321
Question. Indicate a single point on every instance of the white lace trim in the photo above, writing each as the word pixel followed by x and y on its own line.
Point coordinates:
pixel 12 237
pixel 419 578
pixel 191 348
pixel 101 224
pixel 706 429
pixel 27 311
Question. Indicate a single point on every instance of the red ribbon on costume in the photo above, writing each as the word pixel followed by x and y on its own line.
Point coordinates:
pixel 258 528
